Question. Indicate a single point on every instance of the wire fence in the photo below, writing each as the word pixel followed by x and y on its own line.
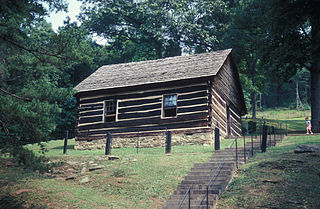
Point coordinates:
pixel 266 136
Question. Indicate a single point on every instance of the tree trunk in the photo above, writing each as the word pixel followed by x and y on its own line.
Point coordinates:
pixel 253 103
pixel 315 99
pixel 315 65
pixel 253 94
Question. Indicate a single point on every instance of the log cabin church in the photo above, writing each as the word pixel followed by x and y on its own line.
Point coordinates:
pixel 137 102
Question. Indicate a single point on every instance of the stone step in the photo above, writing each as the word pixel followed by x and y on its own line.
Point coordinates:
pixel 204 182
pixel 185 187
pixel 196 201
pixel 201 172
pixel 219 177
pixel 199 191
pixel 212 169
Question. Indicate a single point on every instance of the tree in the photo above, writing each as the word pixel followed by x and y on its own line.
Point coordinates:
pixel 245 36
pixel 160 28
pixel 36 68
pixel 294 42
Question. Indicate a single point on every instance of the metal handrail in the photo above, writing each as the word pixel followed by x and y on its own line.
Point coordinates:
pixel 211 179
pixel 184 197
pixel 216 172
pixel 224 157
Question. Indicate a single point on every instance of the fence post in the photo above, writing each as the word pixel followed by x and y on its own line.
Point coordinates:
pixel 189 203
pixel 251 145
pixel 281 131
pixel 274 135
pixel 264 139
pixel 237 152
pixel 286 128
pixel 207 197
pixel 216 139
pixel 65 142
pixel 244 148
pixel 168 142
pixel 108 144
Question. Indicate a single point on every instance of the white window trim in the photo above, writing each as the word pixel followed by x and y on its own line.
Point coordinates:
pixel 104 109
pixel 162 107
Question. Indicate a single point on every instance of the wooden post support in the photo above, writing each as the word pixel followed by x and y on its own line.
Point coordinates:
pixel 168 142
pixel 108 144
pixel 65 142
pixel 264 138
pixel 237 152
pixel 216 139
pixel 244 148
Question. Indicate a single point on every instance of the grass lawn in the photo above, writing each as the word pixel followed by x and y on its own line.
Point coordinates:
pixel 278 178
pixel 294 119
pixel 142 180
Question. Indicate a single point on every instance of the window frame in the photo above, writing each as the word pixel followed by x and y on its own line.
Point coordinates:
pixel 110 115
pixel 163 107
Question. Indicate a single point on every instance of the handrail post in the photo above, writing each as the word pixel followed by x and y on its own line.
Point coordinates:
pixel 168 142
pixel 108 144
pixel 264 139
pixel 251 145
pixel 237 152
pixel 65 142
pixel 189 204
pixel 274 136
pixel 244 148
pixel 280 131
pixel 207 197
pixel 216 139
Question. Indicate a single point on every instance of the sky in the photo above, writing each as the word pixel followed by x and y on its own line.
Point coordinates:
pixel 56 19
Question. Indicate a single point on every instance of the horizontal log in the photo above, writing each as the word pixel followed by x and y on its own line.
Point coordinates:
pixel 193 102
pixel 90 119
pixel 145 121
pixel 171 90
pixel 139 108
pixel 91 113
pixel 192 109
pixel 189 124
pixel 139 115
pixel 139 102
pixel 90 107
pixel 193 95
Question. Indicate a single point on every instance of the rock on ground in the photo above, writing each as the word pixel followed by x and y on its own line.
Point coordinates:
pixel 303 148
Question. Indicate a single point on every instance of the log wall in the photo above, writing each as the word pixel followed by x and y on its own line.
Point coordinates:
pixel 227 92
pixel 140 112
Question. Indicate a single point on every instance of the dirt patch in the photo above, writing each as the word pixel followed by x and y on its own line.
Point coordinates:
pixel 20 191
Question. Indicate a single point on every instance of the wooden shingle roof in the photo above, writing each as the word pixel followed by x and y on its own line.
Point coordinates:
pixel 154 71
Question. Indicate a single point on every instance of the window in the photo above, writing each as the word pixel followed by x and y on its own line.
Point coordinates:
pixel 110 110
pixel 169 105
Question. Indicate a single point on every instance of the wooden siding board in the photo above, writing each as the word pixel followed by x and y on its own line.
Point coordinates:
pixel 91 113
pixel 139 115
pixel 139 108
pixel 139 122
pixel 90 119
pixel 146 94
pixel 188 124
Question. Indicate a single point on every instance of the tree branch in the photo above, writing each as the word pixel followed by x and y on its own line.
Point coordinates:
pixel 14 95
pixel 5 129
pixel 305 33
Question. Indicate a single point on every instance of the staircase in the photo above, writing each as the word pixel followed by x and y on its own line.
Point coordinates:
pixel 201 173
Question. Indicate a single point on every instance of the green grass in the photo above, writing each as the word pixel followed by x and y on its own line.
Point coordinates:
pixel 278 178
pixel 138 180
pixel 294 119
